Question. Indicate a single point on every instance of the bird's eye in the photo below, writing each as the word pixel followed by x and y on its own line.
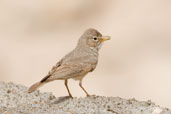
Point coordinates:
pixel 95 38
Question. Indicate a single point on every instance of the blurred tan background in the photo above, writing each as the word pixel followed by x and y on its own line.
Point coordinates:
pixel 35 34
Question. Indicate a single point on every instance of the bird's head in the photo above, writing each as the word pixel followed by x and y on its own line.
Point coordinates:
pixel 92 38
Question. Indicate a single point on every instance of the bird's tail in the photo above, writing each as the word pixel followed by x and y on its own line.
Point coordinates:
pixel 35 86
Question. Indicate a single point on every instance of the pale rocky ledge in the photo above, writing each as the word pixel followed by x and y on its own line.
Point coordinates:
pixel 14 99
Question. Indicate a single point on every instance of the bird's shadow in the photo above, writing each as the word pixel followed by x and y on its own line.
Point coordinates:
pixel 61 99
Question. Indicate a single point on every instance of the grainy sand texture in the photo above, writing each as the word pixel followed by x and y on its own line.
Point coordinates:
pixel 14 99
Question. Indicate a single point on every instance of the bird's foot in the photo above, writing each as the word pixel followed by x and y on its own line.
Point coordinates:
pixel 91 95
pixel 71 96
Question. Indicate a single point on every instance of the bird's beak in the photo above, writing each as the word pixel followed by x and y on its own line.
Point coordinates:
pixel 104 38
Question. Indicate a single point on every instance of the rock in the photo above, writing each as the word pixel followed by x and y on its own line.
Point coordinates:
pixel 14 99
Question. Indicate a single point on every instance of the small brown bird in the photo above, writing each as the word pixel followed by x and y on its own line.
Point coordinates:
pixel 77 63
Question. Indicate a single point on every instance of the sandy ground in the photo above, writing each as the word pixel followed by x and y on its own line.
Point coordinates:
pixel 15 100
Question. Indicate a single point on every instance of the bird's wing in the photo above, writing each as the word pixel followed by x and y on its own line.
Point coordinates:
pixel 67 71
pixel 58 64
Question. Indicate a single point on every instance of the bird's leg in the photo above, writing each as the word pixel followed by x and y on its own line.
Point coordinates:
pixel 66 85
pixel 80 84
